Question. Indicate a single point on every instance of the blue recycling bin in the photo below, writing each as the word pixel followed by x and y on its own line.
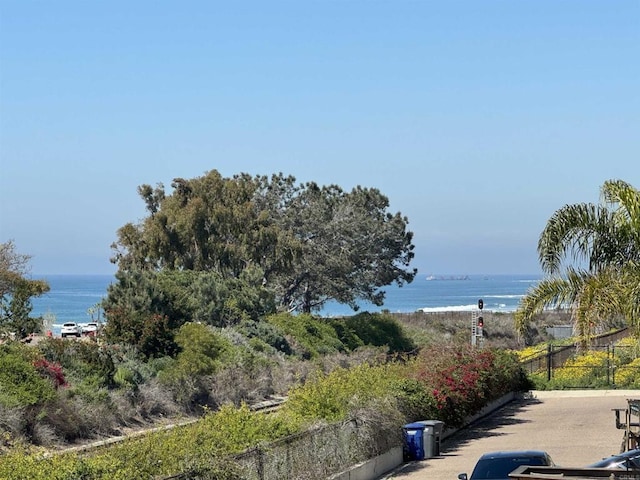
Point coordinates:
pixel 413 441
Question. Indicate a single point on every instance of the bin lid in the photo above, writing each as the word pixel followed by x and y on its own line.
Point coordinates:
pixel 433 425
pixel 414 426
pixel 431 422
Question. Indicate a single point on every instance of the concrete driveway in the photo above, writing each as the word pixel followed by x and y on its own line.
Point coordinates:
pixel 576 428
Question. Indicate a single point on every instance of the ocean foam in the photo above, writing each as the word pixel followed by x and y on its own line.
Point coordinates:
pixel 452 308
pixel 500 307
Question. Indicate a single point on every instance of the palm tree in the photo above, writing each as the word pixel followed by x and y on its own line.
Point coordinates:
pixel 604 239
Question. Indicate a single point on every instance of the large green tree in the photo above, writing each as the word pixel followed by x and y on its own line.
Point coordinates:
pixel 310 243
pixel 349 247
pixel 208 223
pixel 591 256
pixel 16 292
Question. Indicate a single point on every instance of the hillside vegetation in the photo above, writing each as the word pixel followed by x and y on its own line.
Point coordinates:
pixel 446 382
pixel 64 391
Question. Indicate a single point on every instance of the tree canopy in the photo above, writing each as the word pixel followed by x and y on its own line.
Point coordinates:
pixel 16 291
pixel 591 255
pixel 306 244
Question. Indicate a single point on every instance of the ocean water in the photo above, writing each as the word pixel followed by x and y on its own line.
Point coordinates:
pixel 71 296
pixel 447 293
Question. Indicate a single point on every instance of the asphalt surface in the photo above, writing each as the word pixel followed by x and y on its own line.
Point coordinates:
pixel 575 427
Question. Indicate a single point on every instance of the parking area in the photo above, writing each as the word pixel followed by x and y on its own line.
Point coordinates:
pixel 575 427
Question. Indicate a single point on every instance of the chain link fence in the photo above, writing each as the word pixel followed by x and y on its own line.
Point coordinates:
pixel 310 455
pixel 610 364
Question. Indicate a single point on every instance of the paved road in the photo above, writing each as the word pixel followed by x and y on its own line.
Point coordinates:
pixel 576 428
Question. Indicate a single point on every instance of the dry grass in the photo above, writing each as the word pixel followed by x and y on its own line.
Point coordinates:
pixel 455 327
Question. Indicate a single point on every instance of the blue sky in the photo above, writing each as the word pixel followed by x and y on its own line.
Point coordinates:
pixel 478 119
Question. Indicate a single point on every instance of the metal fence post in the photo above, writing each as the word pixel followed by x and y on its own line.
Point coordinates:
pixel 613 367
pixel 608 365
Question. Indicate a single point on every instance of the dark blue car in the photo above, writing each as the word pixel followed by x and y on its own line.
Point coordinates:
pixel 629 460
pixel 498 465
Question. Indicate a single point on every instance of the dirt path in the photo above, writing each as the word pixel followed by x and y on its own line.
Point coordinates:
pixel 576 428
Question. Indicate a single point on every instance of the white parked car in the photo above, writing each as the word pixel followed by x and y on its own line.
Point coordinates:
pixel 70 329
pixel 90 328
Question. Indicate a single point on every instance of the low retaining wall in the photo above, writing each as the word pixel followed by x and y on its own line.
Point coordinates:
pixel 374 468
pixel 377 467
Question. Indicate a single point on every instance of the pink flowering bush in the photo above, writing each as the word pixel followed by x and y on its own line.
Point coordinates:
pixel 51 371
pixel 462 380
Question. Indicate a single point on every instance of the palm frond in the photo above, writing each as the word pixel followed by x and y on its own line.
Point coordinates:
pixel 571 231
pixel 554 292
pixel 605 237
pixel 624 200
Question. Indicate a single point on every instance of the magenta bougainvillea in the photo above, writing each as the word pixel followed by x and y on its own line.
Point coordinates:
pixel 463 380
pixel 52 371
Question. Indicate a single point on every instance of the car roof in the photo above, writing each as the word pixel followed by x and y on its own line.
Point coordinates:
pixel 514 453
pixel 620 457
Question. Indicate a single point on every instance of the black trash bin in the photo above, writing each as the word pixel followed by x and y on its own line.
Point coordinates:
pixel 432 436
pixel 413 441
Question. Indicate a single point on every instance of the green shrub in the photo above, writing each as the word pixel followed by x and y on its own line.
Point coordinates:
pixel 202 352
pixel 20 383
pixel 626 350
pixel 331 397
pixel 126 377
pixel 505 374
pixel 265 333
pixel 415 400
pixel 80 360
pixel 308 336
pixel 151 333
pixel 91 389
pixel 377 329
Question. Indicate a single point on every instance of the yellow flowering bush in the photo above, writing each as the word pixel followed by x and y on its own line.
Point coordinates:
pixel 617 364
pixel 627 342
pixel 534 351
pixel 589 369
pixel 628 375
pixel 531 352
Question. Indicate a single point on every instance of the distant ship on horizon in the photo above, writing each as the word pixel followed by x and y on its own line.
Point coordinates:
pixel 448 277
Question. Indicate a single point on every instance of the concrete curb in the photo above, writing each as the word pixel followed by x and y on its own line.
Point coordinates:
pixel 584 393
